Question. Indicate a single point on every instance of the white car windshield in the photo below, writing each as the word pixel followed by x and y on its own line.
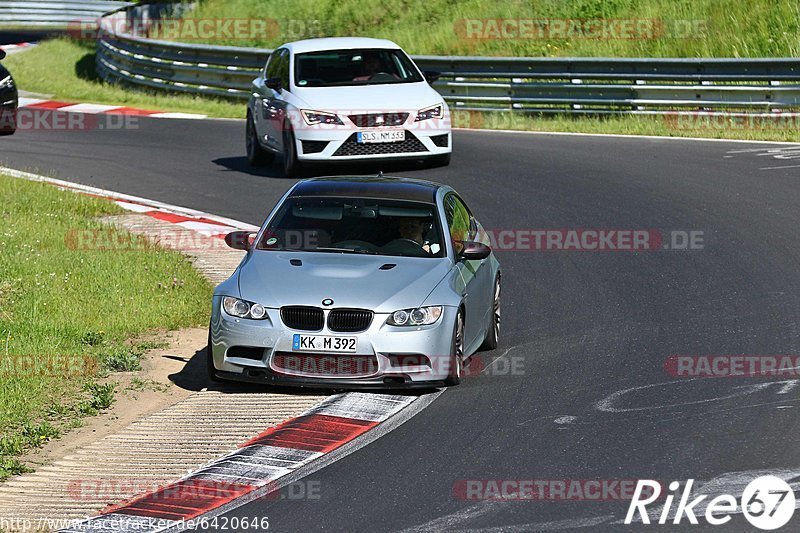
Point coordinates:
pixel 336 68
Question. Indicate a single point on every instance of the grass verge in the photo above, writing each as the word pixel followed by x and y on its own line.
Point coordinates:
pixel 754 129
pixel 68 318
pixel 669 28
pixel 65 68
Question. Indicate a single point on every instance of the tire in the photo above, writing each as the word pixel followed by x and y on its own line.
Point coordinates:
pixel 256 155
pixel 493 328
pixel 212 372
pixel 457 357
pixel 8 121
pixel 291 166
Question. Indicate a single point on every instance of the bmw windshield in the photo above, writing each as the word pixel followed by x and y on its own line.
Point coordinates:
pixel 337 68
pixel 356 226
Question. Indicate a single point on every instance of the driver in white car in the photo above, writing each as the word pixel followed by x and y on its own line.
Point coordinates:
pixel 372 66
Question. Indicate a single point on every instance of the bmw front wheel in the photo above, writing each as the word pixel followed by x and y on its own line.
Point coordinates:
pixel 457 357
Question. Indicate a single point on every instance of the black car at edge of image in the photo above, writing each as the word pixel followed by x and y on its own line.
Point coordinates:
pixel 8 101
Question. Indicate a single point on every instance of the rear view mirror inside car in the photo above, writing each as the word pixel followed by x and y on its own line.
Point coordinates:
pixel 318 212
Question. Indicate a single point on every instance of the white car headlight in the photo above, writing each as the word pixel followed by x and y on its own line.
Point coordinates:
pixel 7 82
pixel 321 117
pixel 243 309
pixel 436 111
pixel 421 316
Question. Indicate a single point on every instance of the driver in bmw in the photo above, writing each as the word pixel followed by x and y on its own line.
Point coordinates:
pixel 412 228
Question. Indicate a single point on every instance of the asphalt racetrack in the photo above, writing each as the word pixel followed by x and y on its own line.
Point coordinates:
pixel 578 389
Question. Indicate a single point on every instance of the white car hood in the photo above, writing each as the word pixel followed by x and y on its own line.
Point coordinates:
pixel 388 97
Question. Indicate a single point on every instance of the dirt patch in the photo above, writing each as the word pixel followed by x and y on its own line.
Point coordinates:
pixel 138 394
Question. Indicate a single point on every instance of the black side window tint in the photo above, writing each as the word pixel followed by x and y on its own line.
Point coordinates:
pixel 283 69
pixel 272 64
pixel 458 218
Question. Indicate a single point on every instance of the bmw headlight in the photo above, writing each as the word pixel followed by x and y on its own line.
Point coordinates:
pixel 421 316
pixel 7 82
pixel 243 309
pixel 321 117
pixel 436 111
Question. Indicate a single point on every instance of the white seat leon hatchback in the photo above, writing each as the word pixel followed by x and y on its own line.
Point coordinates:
pixel 345 99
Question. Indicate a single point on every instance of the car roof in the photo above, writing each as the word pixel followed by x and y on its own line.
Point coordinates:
pixel 338 43
pixel 383 187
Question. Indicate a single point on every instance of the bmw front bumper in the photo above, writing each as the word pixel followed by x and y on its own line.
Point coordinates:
pixel 257 351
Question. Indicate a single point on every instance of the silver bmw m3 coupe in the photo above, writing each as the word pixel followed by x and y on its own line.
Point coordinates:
pixel 358 282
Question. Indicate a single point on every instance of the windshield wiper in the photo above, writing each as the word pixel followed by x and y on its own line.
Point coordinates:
pixel 342 250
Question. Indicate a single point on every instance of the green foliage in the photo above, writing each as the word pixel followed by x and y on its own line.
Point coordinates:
pixel 718 28
pixel 67 314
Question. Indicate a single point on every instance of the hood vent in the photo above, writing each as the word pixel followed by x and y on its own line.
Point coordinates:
pixel 387 266
pixel 295 262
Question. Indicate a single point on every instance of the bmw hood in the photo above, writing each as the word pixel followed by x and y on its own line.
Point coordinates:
pixel 388 97
pixel 350 280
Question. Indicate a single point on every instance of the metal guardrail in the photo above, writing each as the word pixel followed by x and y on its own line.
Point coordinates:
pixel 544 85
pixel 53 13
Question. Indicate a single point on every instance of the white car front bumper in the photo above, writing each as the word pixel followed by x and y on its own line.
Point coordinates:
pixel 427 138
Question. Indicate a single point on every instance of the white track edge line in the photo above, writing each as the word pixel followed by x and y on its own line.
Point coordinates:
pixel 579 134
pixel 192 116
pixel 120 196
pixel 625 136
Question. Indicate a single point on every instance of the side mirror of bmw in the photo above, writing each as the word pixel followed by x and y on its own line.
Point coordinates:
pixel 240 240
pixel 474 251
pixel 432 76
pixel 273 83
